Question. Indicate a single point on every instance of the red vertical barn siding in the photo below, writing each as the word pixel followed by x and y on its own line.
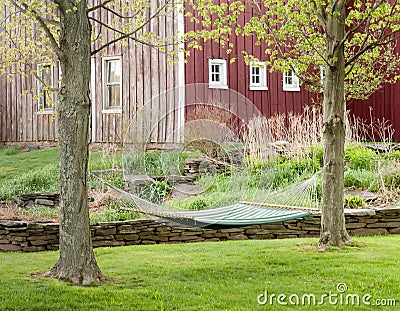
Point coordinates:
pixel 384 104
pixel 269 102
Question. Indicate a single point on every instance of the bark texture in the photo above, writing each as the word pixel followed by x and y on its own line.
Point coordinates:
pixel 76 261
pixel 333 229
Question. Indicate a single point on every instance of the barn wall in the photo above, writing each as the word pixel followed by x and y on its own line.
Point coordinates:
pixel 21 118
pixel 383 104
pixel 148 79
pixel 269 102
pixel 146 74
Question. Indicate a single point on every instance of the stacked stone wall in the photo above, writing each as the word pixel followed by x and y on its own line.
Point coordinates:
pixel 38 236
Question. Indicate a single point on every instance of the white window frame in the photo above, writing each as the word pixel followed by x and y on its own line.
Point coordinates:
pixel 59 74
pixel 291 83
pixel 39 71
pixel 262 84
pixel 106 107
pixel 322 74
pixel 222 83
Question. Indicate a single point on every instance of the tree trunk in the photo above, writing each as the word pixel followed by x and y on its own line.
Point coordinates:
pixel 333 229
pixel 76 261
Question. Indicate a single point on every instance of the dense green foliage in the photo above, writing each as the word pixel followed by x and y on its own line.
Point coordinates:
pixel 357 157
pixel 208 276
pixel 351 201
pixel 364 179
pixel 156 191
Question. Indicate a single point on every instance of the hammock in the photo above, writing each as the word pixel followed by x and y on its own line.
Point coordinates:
pixel 239 214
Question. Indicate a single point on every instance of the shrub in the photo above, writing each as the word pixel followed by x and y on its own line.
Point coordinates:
pixel 288 171
pixel 156 191
pixel 351 201
pixel 316 152
pixel 207 200
pixel 215 183
pixel 393 155
pixel 357 157
pixel 198 204
pixel 191 203
pixel 363 179
pixel 256 165
pixel 299 164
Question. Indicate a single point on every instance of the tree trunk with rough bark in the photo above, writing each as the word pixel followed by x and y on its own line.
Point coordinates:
pixel 76 261
pixel 333 229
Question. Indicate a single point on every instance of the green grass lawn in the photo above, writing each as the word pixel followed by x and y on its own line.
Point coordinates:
pixel 200 276
pixel 23 162
pixel 19 163
pixel 37 171
pixel 210 276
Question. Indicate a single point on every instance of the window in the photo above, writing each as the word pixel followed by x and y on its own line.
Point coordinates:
pixel 290 81
pixel 112 86
pixel 217 77
pixel 258 76
pixel 44 87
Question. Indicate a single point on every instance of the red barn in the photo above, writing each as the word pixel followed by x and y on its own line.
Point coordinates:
pixel 138 75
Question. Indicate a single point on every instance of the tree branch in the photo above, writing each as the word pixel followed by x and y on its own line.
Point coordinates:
pixel 367 18
pixel 24 8
pixel 320 15
pixel 379 42
pixel 129 35
pixel 373 45
pixel 123 36
pixel 313 46
pixel 99 6
pixel 63 6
